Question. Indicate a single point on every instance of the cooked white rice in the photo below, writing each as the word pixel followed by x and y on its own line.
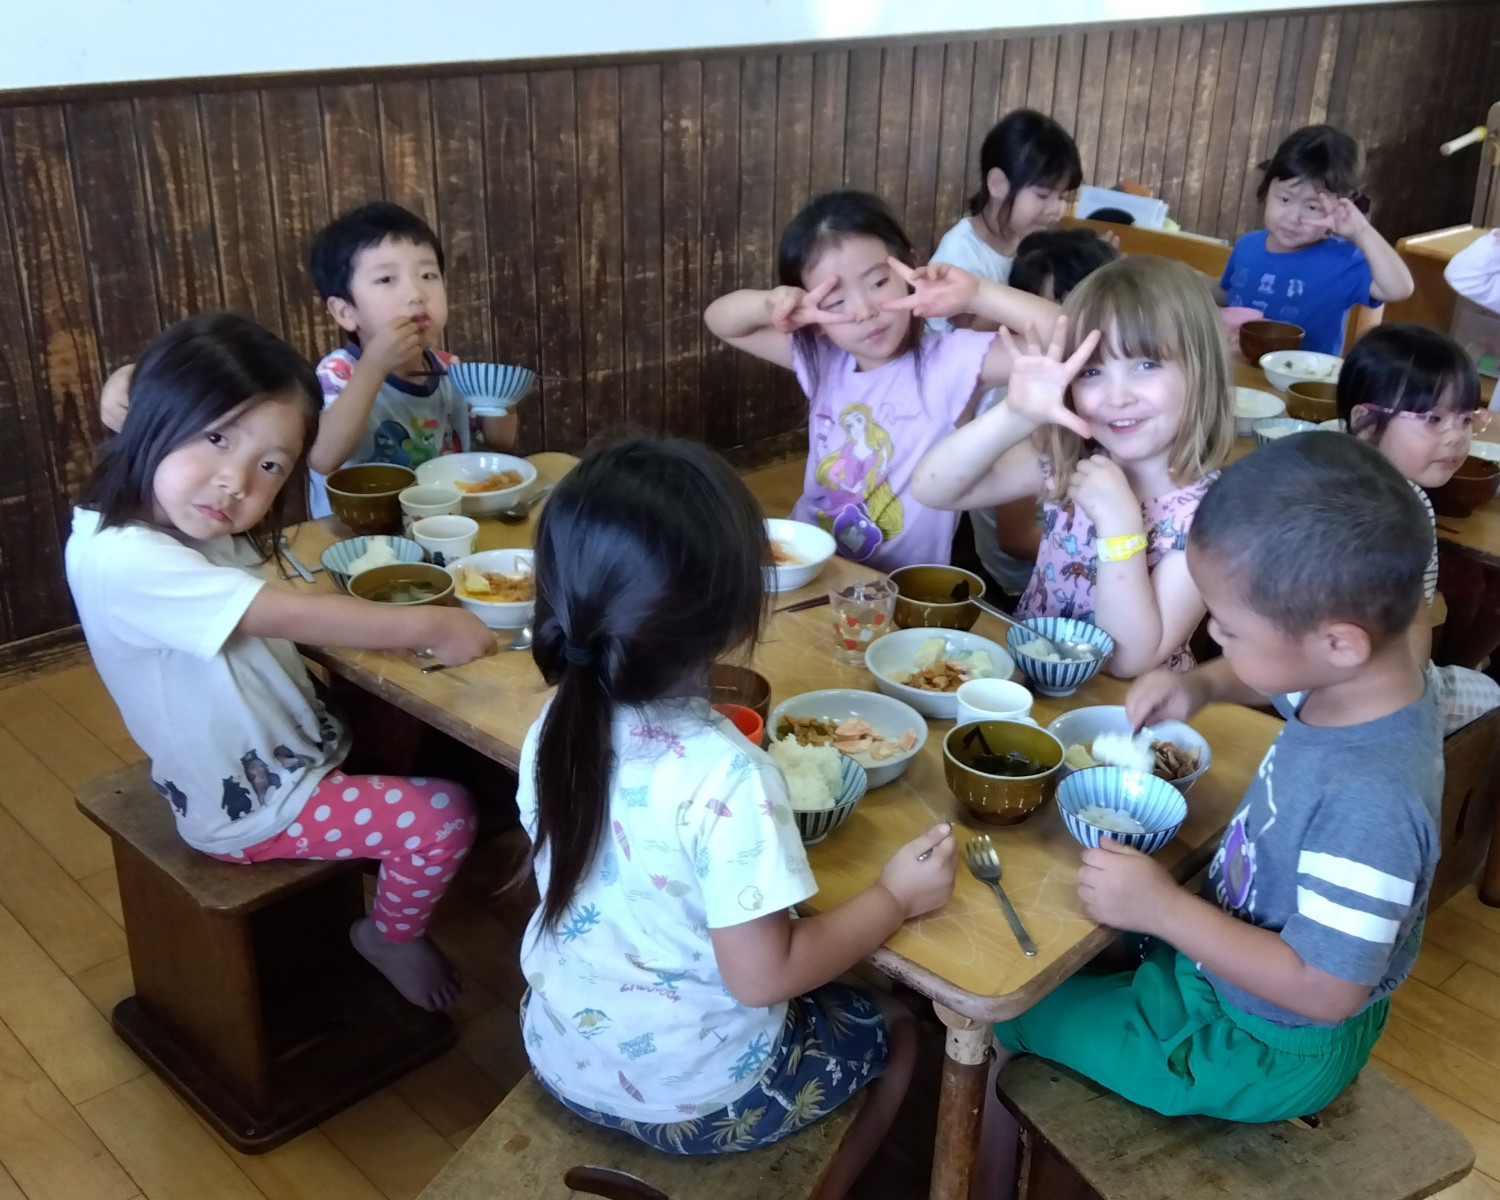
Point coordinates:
pixel 1111 819
pixel 1122 750
pixel 1040 650
pixel 379 553
pixel 814 774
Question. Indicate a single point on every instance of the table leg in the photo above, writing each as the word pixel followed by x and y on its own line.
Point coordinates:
pixel 960 1104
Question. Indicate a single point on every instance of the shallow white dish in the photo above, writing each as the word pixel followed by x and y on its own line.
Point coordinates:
pixel 1267 432
pixel 1336 425
pixel 808 544
pixel 1286 367
pixel 1489 451
pixel 895 654
pixel 885 714
pixel 1252 405
pixel 1085 724
pixel 494 613
pixel 472 468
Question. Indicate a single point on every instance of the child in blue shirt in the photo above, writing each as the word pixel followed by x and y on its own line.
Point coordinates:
pixel 1318 255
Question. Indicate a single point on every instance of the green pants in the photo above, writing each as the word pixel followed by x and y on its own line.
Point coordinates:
pixel 1161 1037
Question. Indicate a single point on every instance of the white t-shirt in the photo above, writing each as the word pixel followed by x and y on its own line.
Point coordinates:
pixel 628 1012
pixel 236 738
pixel 963 247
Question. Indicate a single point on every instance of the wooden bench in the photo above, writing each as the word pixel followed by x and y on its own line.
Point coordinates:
pixel 1375 1142
pixel 1471 783
pixel 532 1146
pixel 249 999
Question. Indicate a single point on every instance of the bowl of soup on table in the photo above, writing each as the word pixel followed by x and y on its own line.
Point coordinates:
pixel 1473 484
pixel 404 583
pixel 1258 338
pixel 730 683
pixel 935 596
pixel 1314 400
pixel 367 498
pixel 497 586
pixel 798 552
pixel 1001 771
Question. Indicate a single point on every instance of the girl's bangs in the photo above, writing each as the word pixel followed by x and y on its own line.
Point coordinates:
pixel 1131 323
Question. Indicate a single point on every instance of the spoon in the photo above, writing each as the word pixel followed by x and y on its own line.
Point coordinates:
pixel 1065 650
pixel 519 511
pixel 521 641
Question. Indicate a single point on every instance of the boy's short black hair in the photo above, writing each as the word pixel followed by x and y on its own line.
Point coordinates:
pixel 336 244
pixel 1065 256
pixel 1326 157
pixel 1316 527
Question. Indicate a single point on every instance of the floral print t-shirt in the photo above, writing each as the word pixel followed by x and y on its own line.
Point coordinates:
pixel 628 1013
pixel 1067 563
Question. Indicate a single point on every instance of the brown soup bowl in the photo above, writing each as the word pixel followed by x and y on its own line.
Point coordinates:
pixel 936 597
pixel 1000 799
pixel 366 498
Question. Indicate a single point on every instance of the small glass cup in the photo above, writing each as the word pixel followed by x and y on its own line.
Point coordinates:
pixel 861 613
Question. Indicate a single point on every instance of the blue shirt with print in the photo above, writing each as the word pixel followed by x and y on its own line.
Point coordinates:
pixel 1314 287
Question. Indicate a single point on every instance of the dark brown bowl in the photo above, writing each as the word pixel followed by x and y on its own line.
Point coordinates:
pixel 730 684
pixel 367 498
pixel 1312 401
pixel 1262 337
pixel 925 597
pixel 1473 484
pixel 997 799
pixel 368 584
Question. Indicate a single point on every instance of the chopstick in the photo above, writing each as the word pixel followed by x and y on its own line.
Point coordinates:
pixel 815 602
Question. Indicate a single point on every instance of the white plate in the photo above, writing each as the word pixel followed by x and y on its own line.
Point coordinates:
pixel 473 467
pixel 1085 724
pixel 895 654
pixel 808 544
pixel 885 714
pixel 1252 405
pixel 1489 451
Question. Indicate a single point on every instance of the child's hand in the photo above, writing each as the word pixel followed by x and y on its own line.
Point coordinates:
pixel 788 309
pixel 1123 888
pixel 1100 488
pixel 393 346
pixel 937 290
pixel 114 400
pixel 1162 695
pixel 1039 378
pixel 921 885
pixel 1344 217
pixel 456 636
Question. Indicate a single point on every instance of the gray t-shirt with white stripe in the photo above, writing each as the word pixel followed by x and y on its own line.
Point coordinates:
pixel 1334 847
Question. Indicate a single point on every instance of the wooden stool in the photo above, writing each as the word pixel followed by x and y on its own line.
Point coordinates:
pixel 532 1146
pixel 249 998
pixel 1375 1142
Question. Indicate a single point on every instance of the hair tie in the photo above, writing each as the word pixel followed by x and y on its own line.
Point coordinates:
pixel 580 656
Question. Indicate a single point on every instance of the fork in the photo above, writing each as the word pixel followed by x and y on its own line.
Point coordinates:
pixel 984 865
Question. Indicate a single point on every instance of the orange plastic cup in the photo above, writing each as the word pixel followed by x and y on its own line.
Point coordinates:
pixel 746 720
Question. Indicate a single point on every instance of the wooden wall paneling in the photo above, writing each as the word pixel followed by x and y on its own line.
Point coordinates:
pixel 1200 127
pixel 1088 117
pixel 641 161
pixel 1274 52
pixel 1250 113
pixel 720 218
pixel 1135 103
pixel 862 120
pixel 1159 113
pixel 1008 69
pixel 1066 82
pixel 111 208
pixel 239 189
pixel 459 206
pixel 1119 74
pixel 599 227
pixel 1322 82
pixel 924 137
pixel 895 128
pixel 1221 129
pixel 684 340
pixel 793 189
pixel 1439 44
pixel 1404 104
pixel 299 197
pixel 554 153
pixel 1180 120
pixel 1351 47
pixel 1041 79
pixel 406 150
pixel 179 211
pixel 830 108
pixel 351 145
pixel 758 234
pixel 512 241
pixel 954 174
pixel 995 64
pixel 1283 112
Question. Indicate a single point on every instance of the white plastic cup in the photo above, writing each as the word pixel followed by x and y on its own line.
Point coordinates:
pixel 428 500
pixel 445 538
pixel 993 700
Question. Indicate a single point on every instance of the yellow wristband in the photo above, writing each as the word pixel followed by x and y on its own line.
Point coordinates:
pixel 1118 549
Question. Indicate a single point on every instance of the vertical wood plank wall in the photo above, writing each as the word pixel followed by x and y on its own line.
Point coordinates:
pixel 590 212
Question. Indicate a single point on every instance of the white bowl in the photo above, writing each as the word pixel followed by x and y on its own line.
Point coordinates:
pixel 1085 724
pixel 895 653
pixel 1267 432
pixel 1252 405
pixel 808 544
pixel 1489 451
pixel 1335 425
pixel 885 714
pixel 473 467
pixel 494 613
pixel 1286 367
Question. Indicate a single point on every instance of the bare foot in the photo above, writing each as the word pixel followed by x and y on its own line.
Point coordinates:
pixel 417 969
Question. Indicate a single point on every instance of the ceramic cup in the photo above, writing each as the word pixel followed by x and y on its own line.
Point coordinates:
pixel 445 538
pixel 993 700
pixel 428 500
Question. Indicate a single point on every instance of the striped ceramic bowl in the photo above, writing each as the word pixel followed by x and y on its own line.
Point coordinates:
pixel 1267 432
pixel 337 557
pixel 1059 678
pixel 1153 802
pixel 490 388
pixel 815 824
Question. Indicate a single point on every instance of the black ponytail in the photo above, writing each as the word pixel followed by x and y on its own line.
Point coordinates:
pixel 649 566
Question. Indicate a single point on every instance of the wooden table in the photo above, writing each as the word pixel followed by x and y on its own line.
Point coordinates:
pixel 963 957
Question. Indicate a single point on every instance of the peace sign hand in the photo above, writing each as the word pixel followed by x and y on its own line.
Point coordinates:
pixel 1039 378
pixel 790 308
pixel 1343 215
pixel 937 290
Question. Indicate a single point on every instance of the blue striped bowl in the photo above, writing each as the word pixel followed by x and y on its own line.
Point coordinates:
pixel 817 823
pixel 1059 678
pixel 337 557
pixel 1269 430
pixel 1153 802
pixel 490 388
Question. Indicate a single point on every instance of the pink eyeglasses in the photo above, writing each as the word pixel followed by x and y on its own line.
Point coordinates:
pixel 1475 420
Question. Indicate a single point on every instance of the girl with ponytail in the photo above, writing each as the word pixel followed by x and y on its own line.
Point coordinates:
pixel 671 994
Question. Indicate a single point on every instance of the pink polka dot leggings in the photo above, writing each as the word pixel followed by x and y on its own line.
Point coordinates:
pixel 417 828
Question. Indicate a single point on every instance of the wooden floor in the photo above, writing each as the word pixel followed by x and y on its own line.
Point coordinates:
pixel 82 1119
